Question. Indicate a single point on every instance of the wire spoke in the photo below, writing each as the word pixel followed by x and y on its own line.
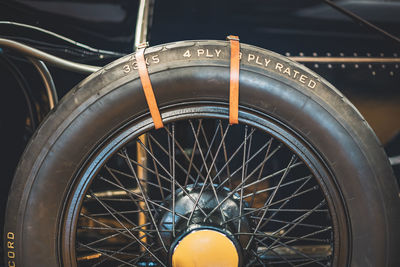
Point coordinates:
pixel 139 183
pixel 252 157
pixel 148 200
pixel 121 186
pixel 173 181
pixel 186 157
pixel 209 145
pixel 156 170
pixel 270 176
pixel 147 169
pixel 269 200
pixel 297 221
pixel 243 175
pixel 257 258
pixel 261 171
pixel 193 151
pixel 162 184
pixel 286 201
pixel 124 232
pixel 114 212
pixel 208 176
pixel 163 177
pixel 113 235
pixel 231 158
pixel 114 253
pixel 274 187
pixel 169 155
pixel 237 188
pixel 123 225
pixel 143 256
pixel 290 223
pixel 207 169
pixel 226 156
pixel 277 254
pixel 107 255
pixel 294 250
pixel 305 237
pixel 179 185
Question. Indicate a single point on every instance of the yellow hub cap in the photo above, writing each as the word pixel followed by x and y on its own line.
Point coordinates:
pixel 205 248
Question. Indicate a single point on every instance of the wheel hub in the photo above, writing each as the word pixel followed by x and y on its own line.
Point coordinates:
pixel 199 236
pixel 205 247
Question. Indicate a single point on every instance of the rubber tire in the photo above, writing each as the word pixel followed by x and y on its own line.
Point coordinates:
pixel 113 96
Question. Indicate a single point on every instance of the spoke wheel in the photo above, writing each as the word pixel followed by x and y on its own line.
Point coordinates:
pixel 300 181
pixel 256 183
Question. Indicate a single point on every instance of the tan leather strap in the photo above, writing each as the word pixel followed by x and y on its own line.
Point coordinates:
pixel 234 80
pixel 147 88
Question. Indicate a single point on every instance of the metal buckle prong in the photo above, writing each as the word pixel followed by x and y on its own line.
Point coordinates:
pixel 232 37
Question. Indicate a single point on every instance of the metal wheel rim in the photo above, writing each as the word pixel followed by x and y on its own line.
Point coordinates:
pixel 292 142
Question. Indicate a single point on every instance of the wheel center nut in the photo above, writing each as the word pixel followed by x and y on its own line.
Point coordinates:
pixel 206 248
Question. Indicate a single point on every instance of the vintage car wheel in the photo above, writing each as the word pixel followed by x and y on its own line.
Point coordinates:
pixel 300 181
